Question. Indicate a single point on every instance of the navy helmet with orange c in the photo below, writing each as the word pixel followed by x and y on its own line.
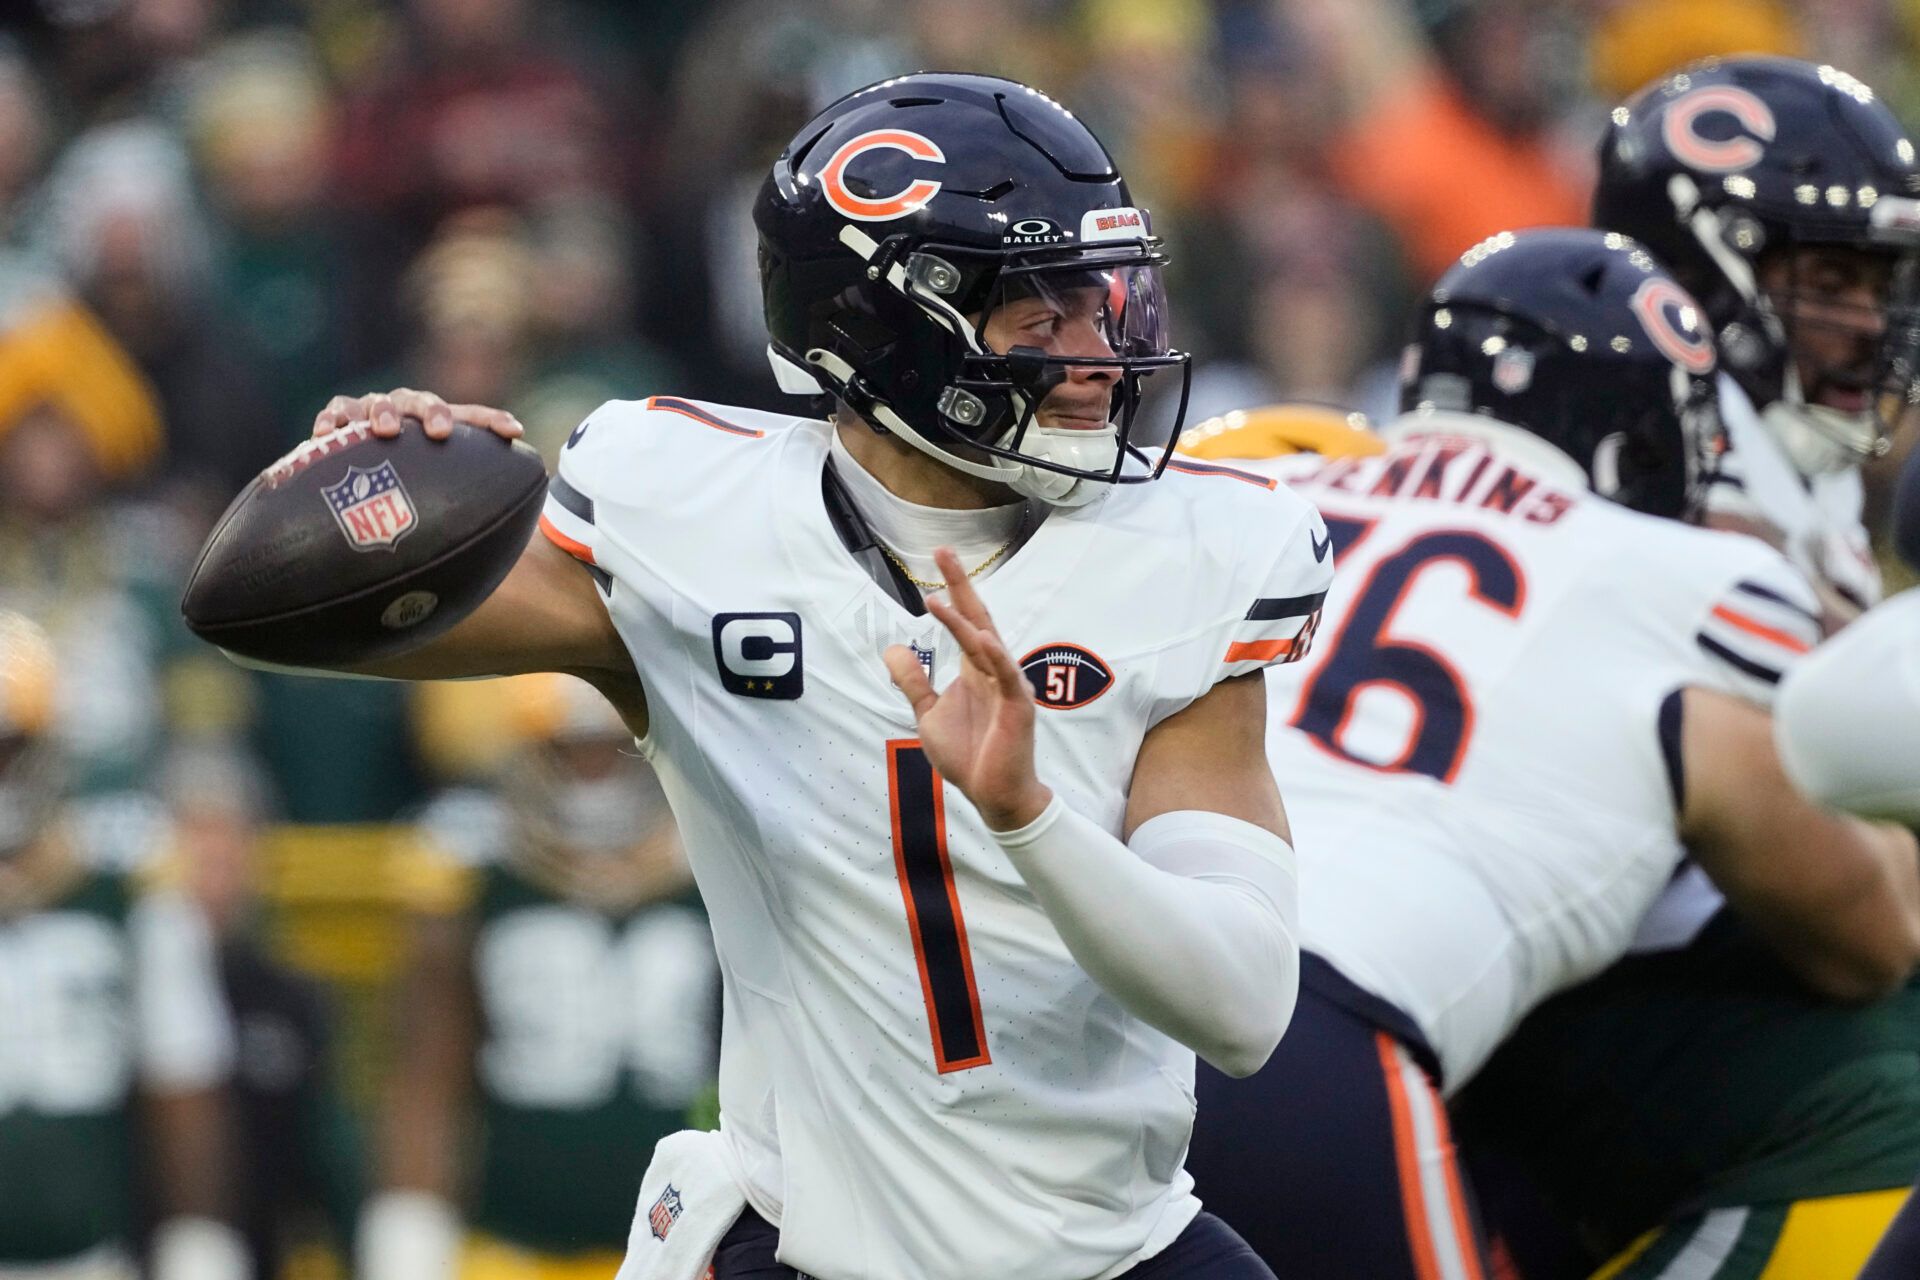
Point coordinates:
pixel 902 216
pixel 1719 166
pixel 1580 338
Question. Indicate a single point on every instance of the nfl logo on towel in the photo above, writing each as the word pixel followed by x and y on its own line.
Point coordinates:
pixel 372 507
pixel 665 1212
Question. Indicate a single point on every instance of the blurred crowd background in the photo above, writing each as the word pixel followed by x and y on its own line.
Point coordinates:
pixel 216 213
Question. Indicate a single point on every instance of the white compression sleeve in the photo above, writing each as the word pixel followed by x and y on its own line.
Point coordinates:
pixel 1193 929
pixel 1847 720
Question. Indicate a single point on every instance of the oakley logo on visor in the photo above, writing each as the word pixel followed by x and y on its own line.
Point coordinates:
pixel 1672 319
pixel 909 199
pixel 1680 129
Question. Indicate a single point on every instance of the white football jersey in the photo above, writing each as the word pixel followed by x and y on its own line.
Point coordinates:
pixel 1480 758
pixel 916 1079
pixel 1819 515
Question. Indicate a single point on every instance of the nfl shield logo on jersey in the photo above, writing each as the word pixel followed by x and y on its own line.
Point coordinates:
pixel 665 1212
pixel 372 507
pixel 925 655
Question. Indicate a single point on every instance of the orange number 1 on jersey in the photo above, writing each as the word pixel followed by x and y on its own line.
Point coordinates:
pixel 938 929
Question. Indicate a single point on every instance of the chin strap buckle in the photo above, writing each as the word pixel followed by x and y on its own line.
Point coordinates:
pixel 962 406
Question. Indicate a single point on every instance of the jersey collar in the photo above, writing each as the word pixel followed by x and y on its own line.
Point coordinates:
pixel 1504 439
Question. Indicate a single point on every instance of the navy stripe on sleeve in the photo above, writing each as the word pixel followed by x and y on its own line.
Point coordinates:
pixel 1273 608
pixel 571 498
pixel 1759 671
pixel 1671 719
pixel 1768 593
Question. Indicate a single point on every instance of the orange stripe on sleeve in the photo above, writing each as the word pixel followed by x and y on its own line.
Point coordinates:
pixel 1786 640
pixel 1258 650
pixel 578 550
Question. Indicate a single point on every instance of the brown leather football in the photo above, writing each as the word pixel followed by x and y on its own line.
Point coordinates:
pixel 353 548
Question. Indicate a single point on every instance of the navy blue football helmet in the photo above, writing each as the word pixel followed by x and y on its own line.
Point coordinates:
pixel 903 216
pixel 1580 338
pixel 1718 166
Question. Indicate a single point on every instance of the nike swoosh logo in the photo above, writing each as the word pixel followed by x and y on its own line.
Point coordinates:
pixel 1320 546
pixel 574 439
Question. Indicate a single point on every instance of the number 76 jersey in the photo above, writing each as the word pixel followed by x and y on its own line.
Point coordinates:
pixel 916 1079
pixel 1481 758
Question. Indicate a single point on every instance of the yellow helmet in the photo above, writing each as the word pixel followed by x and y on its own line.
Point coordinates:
pixel 585 814
pixel 1274 430
pixel 548 707
pixel 26 677
pixel 472 729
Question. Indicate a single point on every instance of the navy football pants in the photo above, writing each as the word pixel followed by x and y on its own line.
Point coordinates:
pixel 1897 1256
pixel 1207 1250
pixel 1334 1161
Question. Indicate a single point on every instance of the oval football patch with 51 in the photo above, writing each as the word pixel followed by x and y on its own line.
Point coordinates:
pixel 1065 676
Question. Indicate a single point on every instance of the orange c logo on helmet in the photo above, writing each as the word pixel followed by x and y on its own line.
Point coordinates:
pixel 833 178
pixel 1689 347
pixel 1728 154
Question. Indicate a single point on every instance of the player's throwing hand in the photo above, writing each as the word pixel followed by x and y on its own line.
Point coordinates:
pixel 385 410
pixel 979 732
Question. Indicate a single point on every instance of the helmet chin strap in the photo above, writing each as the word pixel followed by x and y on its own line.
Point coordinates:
pixel 1060 447
pixel 995 469
pixel 1706 228
pixel 1088 449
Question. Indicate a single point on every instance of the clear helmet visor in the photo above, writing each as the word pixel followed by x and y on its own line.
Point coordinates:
pixel 1098 306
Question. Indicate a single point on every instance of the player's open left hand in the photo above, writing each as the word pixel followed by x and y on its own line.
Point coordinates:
pixel 386 409
pixel 979 732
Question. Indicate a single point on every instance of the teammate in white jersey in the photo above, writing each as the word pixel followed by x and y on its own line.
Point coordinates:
pixel 1783 196
pixel 960 1013
pixel 1532 688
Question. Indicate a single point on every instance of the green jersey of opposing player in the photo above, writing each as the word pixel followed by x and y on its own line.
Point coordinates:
pixel 562 1001
pixel 116 1039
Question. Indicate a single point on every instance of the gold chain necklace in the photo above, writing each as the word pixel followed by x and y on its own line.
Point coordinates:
pixel 923 584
